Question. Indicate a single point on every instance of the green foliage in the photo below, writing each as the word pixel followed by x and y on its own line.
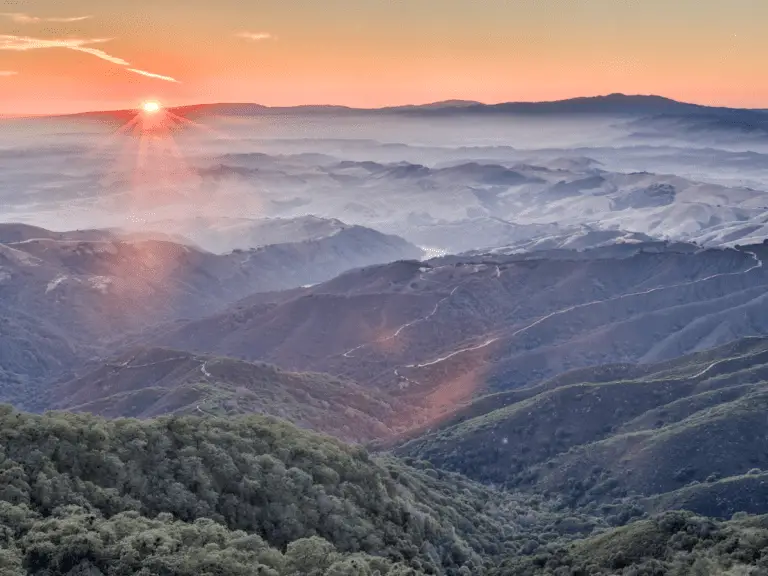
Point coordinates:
pixel 182 495
pixel 75 541
pixel 674 544
pixel 80 489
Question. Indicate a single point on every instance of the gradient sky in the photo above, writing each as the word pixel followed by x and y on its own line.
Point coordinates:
pixel 373 53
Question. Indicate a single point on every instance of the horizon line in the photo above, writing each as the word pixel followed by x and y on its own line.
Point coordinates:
pixel 468 102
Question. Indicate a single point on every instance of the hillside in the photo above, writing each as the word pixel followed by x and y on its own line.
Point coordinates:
pixel 255 495
pixel 187 495
pixel 152 382
pixel 726 439
pixel 720 498
pixel 80 495
pixel 11 233
pixel 66 297
pixel 224 234
pixel 688 432
pixel 441 333
pixel 674 543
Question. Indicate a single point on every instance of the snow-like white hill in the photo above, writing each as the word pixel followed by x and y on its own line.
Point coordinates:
pixel 453 176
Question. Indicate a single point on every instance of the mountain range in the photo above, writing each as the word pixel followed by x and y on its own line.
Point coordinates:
pixel 446 179
pixel 454 339
pixel 67 297
pixel 403 345
pixel 440 332
pixel 610 103
pixel 568 398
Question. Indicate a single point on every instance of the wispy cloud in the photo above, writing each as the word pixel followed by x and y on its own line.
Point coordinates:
pixel 4 73
pixel 24 43
pixel 70 19
pixel 21 18
pixel 103 55
pixel 152 75
pixel 254 36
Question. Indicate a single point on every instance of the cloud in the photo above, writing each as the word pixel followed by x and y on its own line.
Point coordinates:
pixel 152 75
pixel 103 55
pixel 24 43
pixel 66 20
pixel 21 18
pixel 4 73
pixel 254 36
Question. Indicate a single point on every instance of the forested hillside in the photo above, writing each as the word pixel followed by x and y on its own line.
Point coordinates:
pixel 676 543
pixel 188 495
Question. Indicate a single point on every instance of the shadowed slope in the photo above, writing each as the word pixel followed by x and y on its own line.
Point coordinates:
pixel 152 382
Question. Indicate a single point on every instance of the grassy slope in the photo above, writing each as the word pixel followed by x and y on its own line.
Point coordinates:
pixel 720 498
pixel 697 418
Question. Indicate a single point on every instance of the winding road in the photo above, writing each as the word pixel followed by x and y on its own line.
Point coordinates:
pixel 396 333
pixel 208 375
pixel 758 264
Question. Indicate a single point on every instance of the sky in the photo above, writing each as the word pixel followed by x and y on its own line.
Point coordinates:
pixel 73 55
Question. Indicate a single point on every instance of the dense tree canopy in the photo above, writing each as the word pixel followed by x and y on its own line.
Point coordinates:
pixel 102 481
pixel 675 544
pixel 84 496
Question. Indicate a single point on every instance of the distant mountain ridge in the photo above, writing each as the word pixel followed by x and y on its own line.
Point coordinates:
pixel 225 234
pixel 610 103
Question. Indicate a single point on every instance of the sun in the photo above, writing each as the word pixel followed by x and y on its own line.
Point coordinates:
pixel 151 107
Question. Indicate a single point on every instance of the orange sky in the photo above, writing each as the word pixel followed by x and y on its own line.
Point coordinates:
pixel 376 52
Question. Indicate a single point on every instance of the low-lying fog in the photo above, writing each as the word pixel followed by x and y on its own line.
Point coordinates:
pixel 450 182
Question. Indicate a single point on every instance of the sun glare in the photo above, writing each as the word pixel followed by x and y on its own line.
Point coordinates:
pixel 150 107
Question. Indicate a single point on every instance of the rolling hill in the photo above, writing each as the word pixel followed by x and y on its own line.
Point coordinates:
pixel 248 495
pixel 686 433
pixel 152 382
pixel 225 234
pixel 440 333
pixel 673 543
pixel 67 297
